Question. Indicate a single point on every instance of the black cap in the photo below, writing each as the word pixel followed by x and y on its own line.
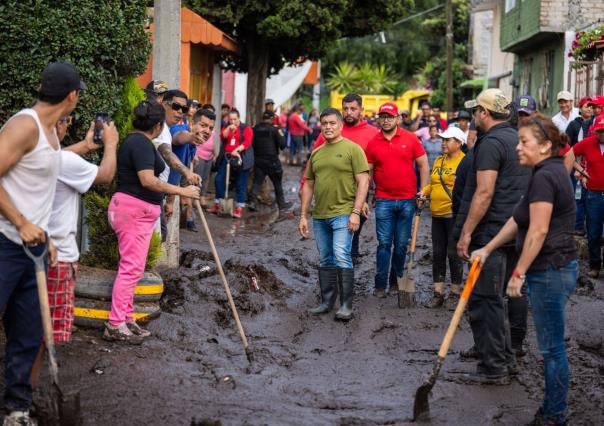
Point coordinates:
pixel 464 114
pixel 267 114
pixel 60 78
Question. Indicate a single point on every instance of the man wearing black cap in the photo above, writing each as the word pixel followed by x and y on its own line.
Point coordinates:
pixel 29 166
pixel 267 142
pixel 155 90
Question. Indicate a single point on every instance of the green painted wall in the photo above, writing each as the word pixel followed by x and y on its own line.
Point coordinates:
pixel 531 72
pixel 520 23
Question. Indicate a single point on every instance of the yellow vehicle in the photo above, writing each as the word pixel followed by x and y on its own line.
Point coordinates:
pixel 409 100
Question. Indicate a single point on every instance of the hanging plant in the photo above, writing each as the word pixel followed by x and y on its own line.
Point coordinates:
pixel 584 46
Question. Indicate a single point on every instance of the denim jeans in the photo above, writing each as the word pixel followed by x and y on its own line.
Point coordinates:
pixel 334 241
pixel 580 218
pixel 295 148
pixel 594 207
pixel 22 322
pixel 548 293
pixel 393 220
pixel 240 183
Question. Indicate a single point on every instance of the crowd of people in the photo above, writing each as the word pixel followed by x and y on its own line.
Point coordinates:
pixel 506 186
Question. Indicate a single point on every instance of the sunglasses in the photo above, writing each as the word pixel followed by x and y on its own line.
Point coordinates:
pixel 178 107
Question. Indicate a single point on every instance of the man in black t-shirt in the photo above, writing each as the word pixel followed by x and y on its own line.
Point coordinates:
pixel 267 142
pixel 495 183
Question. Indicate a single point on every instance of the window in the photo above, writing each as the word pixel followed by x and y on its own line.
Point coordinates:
pixel 509 5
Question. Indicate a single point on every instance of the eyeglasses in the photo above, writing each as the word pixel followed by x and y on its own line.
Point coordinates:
pixel 178 107
pixel 67 120
pixel 387 117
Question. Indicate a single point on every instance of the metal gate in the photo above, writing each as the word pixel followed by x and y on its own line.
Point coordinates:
pixel 586 78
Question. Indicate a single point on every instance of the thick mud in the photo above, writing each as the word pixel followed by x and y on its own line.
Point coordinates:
pixel 308 370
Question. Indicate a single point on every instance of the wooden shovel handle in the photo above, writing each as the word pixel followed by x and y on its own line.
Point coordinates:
pixel 414 234
pixel 461 306
pixel 228 178
pixel 225 283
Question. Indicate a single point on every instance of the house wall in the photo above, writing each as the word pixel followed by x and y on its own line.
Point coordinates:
pixel 520 23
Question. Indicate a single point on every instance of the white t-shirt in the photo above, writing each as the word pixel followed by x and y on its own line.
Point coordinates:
pixel 76 176
pixel 165 137
pixel 561 122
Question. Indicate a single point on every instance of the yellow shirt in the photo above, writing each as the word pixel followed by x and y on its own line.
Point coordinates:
pixel 440 202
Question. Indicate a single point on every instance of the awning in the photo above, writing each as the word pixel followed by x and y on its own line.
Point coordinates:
pixel 473 84
pixel 195 29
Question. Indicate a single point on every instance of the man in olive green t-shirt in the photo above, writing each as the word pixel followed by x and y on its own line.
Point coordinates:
pixel 337 175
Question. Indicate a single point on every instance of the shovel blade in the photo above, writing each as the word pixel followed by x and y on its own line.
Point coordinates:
pixel 226 207
pixel 70 411
pixel 421 405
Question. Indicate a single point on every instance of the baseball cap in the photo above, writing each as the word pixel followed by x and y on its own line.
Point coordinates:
pixel 598 123
pixel 464 114
pixel 404 112
pixel 157 86
pixel 597 100
pixel 584 101
pixel 60 78
pixel 564 94
pixel 492 100
pixel 192 102
pixel 389 108
pixel 526 104
pixel 454 132
pixel 269 101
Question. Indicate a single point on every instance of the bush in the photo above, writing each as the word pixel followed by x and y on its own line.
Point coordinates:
pixel 105 40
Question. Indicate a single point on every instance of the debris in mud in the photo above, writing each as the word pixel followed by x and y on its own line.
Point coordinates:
pixel 384 325
pixel 100 366
pixel 227 382
pixel 298 269
pixel 205 422
pixel 425 259
pixel 270 283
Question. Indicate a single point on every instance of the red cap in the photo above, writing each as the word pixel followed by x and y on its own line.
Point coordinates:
pixel 598 123
pixel 389 108
pixel 597 100
pixel 584 101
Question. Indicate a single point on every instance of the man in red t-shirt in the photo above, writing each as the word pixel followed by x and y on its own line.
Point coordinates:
pixel 392 155
pixel 237 148
pixel 297 129
pixel 592 150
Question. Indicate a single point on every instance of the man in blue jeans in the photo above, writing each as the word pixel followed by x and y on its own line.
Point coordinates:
pixel 337 177
pixel 29 166
pixel 392 155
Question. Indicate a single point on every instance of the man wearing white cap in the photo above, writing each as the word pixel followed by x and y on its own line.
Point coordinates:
pixel 567 111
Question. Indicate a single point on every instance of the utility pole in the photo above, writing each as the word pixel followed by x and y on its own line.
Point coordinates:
pixel 449 92
pixel 166 67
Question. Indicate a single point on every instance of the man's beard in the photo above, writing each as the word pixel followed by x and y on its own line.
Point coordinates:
pixel 351 121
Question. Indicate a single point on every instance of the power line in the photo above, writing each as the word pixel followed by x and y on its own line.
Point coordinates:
pixel 425 12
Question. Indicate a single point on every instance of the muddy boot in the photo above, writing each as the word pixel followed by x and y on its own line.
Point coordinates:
pixel 284 205
pixel 253 203
pixel 328 283
pixel 346 294
pixel 438 298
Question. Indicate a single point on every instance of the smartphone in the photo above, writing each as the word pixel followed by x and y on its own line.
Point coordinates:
pixel 99 119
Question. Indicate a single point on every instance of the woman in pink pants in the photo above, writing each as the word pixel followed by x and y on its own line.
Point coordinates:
pixel 133 211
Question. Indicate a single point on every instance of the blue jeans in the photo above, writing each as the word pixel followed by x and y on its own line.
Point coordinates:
pixel 334 241
pixel 548 293
pixel 295 148
pixel 393 220
pixel 580 218
pixel 22 323
pixel 594 207
pixel 240 183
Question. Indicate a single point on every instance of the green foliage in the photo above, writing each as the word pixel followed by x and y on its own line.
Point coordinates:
pixel 132 95
pixel 105 40
pixel 365 79
pixel 289 30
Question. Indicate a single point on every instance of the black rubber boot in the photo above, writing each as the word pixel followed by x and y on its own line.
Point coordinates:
pixel 283 205
pixel 346 286
pixel 328 283
pixel 253 203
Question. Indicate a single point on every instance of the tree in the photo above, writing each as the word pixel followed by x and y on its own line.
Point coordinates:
pixel 272 33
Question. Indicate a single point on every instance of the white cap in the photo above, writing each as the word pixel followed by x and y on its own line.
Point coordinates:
pixel 566 95
pixel 454 132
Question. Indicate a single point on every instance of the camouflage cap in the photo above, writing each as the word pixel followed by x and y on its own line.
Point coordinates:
pixel 491 99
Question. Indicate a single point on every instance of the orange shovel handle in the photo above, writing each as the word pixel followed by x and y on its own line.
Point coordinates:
pixel 461 306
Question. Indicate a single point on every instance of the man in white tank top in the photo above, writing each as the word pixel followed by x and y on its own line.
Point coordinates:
pixel 29 165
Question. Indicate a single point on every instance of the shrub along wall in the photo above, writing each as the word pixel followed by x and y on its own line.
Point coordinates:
pixel 106 40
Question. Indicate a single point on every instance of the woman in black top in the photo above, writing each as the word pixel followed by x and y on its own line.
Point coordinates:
pixel 543 225
pixel 133 213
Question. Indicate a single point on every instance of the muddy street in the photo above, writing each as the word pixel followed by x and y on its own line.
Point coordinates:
pixel 308 370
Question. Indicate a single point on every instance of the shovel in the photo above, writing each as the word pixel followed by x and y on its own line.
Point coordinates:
pixel 421 406
pixel 227 289
pixel 64 407
pixel 226 204
pixel 406 285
